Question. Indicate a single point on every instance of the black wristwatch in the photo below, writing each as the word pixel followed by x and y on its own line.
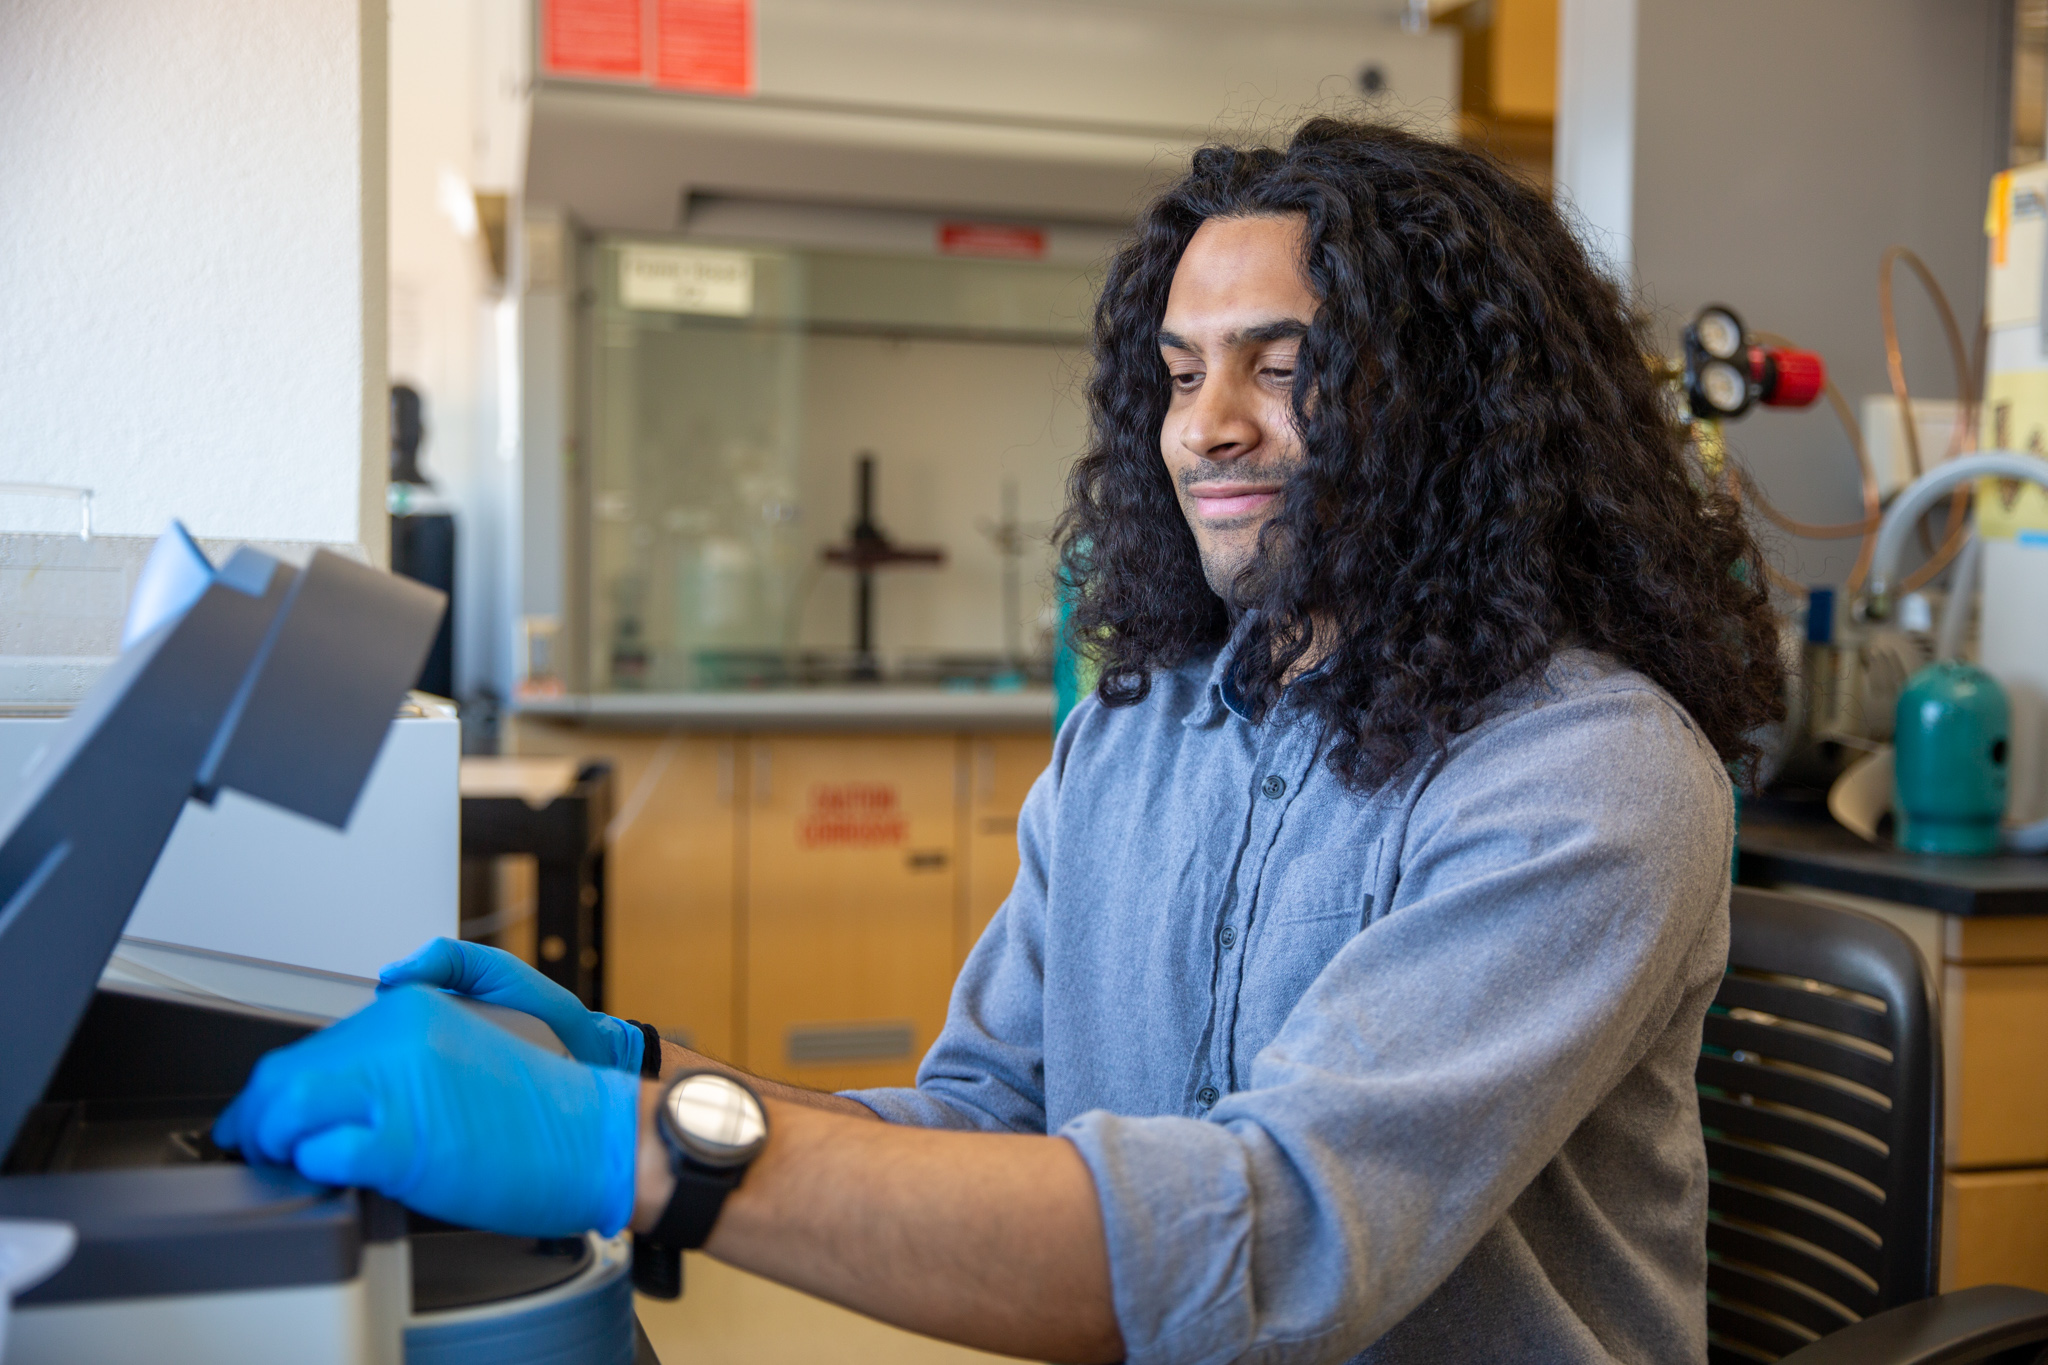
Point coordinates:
pixel 713 1126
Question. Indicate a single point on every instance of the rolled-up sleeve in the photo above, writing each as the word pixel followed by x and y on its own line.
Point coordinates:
pixel 986 1069
pixel 1556 883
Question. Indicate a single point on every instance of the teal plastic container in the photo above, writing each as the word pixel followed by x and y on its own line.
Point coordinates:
pixel 1950 769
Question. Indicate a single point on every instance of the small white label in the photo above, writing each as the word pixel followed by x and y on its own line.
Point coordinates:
pixel 687 279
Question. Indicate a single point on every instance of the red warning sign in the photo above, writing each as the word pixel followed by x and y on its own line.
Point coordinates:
pixel 1009 240
pixel 853 814
pixel 594 38
pixel 705 45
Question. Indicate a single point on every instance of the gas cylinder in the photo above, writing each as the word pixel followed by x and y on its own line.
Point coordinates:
pixel 1950 769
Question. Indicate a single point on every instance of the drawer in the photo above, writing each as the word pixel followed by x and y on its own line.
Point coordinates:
pixel 2000 938
pixel 1996 1035
pixel 1994 1229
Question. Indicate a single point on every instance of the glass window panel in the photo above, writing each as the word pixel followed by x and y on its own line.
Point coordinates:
pixel 697 572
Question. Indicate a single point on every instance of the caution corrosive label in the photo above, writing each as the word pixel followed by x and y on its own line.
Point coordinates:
pixel 853 814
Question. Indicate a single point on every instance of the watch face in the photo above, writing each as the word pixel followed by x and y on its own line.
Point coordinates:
pixel 717 1120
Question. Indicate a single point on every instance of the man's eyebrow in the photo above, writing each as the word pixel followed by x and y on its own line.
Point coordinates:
pixel 1285 329
pixel 1281 329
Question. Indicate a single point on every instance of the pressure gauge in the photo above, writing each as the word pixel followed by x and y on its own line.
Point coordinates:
pixel 1724 388
pixel 1719 332
pixel 1717 364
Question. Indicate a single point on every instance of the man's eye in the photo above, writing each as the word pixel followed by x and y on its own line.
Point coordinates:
pixel 1279 372
pixel 1186 379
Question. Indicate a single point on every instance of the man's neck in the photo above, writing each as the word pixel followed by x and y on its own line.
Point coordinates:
pixel 1323 639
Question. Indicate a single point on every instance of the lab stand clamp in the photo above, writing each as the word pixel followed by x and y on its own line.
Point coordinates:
pixel 869 548
pixel 281 684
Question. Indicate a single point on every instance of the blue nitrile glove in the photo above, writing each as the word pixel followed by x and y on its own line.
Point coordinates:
pixel 498 978
pixel 420 1099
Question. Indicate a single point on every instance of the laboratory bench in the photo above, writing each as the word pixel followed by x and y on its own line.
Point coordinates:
pixel 852 707
pixel 1981 925
pixel 793 879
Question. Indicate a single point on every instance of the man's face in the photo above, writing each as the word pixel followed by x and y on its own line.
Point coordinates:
pixel 1235 316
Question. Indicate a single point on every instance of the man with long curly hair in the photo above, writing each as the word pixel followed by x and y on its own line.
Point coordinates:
pixel 1347 1003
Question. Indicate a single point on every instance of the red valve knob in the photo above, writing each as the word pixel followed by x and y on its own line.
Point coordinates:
pixel 1787 378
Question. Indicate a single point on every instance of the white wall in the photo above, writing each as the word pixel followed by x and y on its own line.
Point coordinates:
pixel 458 125
pixel 1778 149
pixel 192 265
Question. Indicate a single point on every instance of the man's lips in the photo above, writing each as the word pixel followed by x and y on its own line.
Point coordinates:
pixel 1221 501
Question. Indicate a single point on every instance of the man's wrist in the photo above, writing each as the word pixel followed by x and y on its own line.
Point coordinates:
pixel 654 1180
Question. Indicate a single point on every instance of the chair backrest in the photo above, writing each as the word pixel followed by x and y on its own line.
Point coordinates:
pixel 1820 1094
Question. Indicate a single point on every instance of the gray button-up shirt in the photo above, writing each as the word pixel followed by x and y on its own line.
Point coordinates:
pixel 1405 1076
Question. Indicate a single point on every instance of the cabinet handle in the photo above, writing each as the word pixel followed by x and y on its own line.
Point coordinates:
pixel 764 785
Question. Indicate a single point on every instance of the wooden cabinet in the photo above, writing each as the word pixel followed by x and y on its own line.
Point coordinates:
pixel 1993 974
pixel 799 904
pixel 999 772
pixel 848 945
pixel 670 874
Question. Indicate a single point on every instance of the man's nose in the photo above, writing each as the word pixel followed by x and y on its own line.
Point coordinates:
pixel 1221 425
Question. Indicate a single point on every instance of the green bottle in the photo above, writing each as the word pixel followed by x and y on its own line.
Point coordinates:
pixel 1950 770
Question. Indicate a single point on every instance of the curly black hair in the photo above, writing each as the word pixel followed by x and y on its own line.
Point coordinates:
pixel 1489 471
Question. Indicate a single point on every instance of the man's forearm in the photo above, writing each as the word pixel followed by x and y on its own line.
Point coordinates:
pixel 676 1059
pixel 994 1241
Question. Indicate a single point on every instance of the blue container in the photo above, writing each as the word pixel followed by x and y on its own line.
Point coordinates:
pixel 1950 769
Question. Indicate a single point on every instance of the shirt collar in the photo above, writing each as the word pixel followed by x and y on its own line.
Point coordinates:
pixel 1219 694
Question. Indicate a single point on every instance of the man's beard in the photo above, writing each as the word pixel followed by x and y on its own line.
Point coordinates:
pixel 1221 567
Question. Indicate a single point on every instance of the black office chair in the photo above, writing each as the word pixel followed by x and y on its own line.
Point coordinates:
pixel 1820 1095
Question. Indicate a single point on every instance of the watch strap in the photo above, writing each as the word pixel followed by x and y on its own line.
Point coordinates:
pixel 657 1269
pixel 692 1210
pixel 650 1049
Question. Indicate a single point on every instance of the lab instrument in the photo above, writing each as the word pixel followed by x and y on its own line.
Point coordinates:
pixel 279 683
pixel 1950 764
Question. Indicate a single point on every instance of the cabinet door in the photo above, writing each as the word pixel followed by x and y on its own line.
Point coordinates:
pixel 1000 771
pixel 849 906
pixel 1994 1021
pixel 1994 1229
pixel 669 874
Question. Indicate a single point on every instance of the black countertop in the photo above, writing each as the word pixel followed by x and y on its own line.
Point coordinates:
pixel 1787 844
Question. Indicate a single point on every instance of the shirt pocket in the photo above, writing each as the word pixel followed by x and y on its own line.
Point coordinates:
pixel 1312 889
pixel 1286 955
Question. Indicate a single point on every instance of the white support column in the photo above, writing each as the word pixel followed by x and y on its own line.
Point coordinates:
pixel 1594 165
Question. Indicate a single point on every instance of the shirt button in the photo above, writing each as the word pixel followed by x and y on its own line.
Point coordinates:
pixel 1206 1095
pixel 1226 936
pixel 1275 786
